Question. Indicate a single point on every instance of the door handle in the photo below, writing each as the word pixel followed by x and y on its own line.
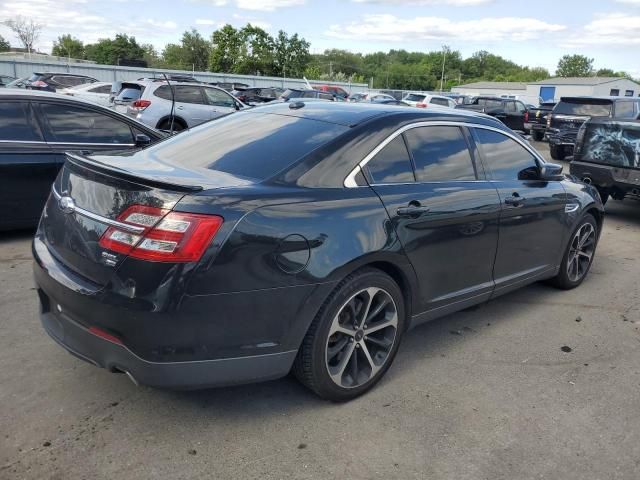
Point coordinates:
pixel 180 108
pixel 412 210
pixel 515 200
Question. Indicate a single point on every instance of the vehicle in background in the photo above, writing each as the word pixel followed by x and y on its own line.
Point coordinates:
pixel 97 92
pixel 336 91
pixel 151 102
pixel 50 82
pixel 36 129
pixel 424 100
pixel 17 83
pixel 230 86
pixel 256 95
pixel 571 112
pixel 510 112
pixel 535 121
pixel 458 97
pixel 172 77
pixel 357 97
pixel 305 240
pixel 5 80
pixel 392 101
pixel 607 156
pixel 369 97
pixel 299 93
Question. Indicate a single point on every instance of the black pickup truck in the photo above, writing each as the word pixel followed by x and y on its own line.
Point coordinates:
pixel 571 112
pixel 508 111
pixel 535 121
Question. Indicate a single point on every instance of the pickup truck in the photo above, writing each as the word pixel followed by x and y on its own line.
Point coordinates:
pixel 535 121
pixel 508 111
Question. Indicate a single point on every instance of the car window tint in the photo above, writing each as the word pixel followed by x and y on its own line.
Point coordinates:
pixel 129 94
pixel 219 98
pixel 14 123
pixel 101 89
pixel 391 164
pixel 624 110
pixel 257 152
pixel 504 157
pixel 325 96
pixel 440 154
pixel 188 94
pixel 520 107
pixel 79 125
pixel 439 101
pixel 309 95
pixel 510 107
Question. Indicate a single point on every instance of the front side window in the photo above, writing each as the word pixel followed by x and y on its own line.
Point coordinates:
pixel 188 94
pixel 14 123
pixel 440 154
pixel 218 98
pixel 506 159
pixel 391 164
pixel 71 124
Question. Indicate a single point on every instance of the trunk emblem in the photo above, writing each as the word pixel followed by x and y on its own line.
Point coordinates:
pixel 67 205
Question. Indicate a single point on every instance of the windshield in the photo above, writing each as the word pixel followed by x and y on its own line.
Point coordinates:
pixel 256 145
pixel 414 97
pixel 593 108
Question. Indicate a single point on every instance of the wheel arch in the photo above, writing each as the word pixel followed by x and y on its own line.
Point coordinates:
pixel 176 119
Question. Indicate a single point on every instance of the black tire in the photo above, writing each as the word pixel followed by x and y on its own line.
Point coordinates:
pixel 538 135
pixel 178 125
pixel 312 365
pixel 604 194
pixel 557 152
pixel 564 279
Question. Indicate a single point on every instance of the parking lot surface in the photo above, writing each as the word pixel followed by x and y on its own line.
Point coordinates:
pixel 538 384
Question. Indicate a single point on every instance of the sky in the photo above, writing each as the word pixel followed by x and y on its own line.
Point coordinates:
pixel 534 33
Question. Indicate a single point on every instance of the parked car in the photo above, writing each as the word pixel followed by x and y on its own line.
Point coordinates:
pixel 230 86
pixel 393 101
pixel 150 102
pixel 335 91
pixel 299 93
pixel 258 94
pixel 510 112
pixel 369 97
pixel 214 262
pixel 571 112
pixel 96 92
pixel 36 128
pixel 423 100
pixel 535 119
pixel 5 80
pixel 50 82
pixel 607 156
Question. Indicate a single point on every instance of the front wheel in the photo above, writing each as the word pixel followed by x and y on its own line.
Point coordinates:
pixel 354 338
pixel 579 254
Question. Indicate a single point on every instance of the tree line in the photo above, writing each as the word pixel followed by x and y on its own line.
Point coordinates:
pixel 253 51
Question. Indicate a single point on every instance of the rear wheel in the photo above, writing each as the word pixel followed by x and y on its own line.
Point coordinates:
pixel 354 338
pixel 178 126
pixel 538 135
pixel 557 152
pixel 578 257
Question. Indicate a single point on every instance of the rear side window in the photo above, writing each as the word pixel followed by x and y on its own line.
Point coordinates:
pixel 440 101
pixel 440 154
pixel 590 109
pixel 391 164
pixel 271 144
pixel 505 157
pixel 490 103
pixel 189 94
pixel 14 123
pixel 77 125
pixel 625 110
pixel 412 97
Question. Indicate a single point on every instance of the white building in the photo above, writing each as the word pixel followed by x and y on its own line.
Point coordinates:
pixel 499 89
pixel 554 88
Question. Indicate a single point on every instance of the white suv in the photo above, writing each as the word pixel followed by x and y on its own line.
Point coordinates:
pixel 422 100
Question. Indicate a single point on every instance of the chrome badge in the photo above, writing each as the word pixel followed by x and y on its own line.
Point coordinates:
pixel 66 204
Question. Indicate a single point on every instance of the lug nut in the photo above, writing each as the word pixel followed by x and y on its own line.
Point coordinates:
pixel 365 327
pixel 357 345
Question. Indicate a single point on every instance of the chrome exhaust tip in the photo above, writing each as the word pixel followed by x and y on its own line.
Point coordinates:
pixel 587 180
pixel 132 378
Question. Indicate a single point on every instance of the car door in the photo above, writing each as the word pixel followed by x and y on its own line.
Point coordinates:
pixel 532 218
pixel 27 166
pixel 221 103
pixel 191 105
pixel 444 211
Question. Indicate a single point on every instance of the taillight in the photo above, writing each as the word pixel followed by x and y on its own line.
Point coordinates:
pixel 141 104
pixel 548 121
pixel 421 105
pixel 167 236
pixel 526 117
pixel 40 84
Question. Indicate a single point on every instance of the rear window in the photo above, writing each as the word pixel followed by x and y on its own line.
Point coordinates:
pixel 412 97
pixel 256 145
pixel 129 94
pixel 490 103
pixel 584 108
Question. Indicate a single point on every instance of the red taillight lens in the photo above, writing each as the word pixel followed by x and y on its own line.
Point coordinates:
pixel 526 116
pixel 98 332
pixel 39 83
pixel 421 105
pixel 141 104
pixel 168 236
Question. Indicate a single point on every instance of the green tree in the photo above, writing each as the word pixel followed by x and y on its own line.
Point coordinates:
pixel 151 55
pixel 256 51
pixel 575 66
pixel 4 45
pixel 291 55
pixel 226 45
pixel 196 50
pixel 68 46
pixel 110 52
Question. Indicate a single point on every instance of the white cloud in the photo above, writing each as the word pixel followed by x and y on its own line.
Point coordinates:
pixel 454 3
pixel 388 27
pixel 165 24
pixel 205 21
pixel 267 5
pixel 629 2
pixel 610 29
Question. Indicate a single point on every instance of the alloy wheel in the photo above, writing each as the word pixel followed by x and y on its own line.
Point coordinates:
pixel 361 337
pixel 581 251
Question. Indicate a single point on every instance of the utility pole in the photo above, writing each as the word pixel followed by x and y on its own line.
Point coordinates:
pixel 444 59
pixel 331 70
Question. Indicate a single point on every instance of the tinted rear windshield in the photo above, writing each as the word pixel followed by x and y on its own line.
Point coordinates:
pixel 248 144
pixel 589 108
pixel 612 143
pixel 412 97
pixel 291 93
pixel 130 93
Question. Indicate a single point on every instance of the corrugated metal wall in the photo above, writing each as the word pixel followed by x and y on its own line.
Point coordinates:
pixel 109 73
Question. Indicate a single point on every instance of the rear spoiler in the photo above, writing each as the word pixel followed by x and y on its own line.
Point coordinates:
pixel 155 181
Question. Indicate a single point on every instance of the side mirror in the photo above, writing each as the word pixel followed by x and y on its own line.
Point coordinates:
pixel 237 105
pixel 142 140
pixel 550 171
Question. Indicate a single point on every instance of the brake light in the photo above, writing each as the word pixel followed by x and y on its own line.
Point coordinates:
pixel 39 83
pixel 526 116
pixel 140 104
pixel 167 236
pixel 98 332
pixel 421 105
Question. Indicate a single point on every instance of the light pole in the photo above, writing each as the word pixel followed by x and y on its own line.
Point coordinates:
pixel 444 59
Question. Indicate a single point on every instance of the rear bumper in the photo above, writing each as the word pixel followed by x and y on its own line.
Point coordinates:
pixel 177 375
pixel 607 176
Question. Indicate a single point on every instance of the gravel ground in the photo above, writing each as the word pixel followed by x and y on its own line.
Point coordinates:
pixel 483 394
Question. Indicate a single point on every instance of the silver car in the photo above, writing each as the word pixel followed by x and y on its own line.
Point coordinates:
pixel 149 101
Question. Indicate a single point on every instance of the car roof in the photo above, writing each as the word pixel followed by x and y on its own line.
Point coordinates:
pixel 66 74
pixel 353 114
